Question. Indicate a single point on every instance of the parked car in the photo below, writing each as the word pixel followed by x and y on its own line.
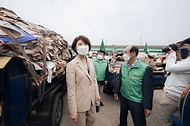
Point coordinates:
pixel 182 116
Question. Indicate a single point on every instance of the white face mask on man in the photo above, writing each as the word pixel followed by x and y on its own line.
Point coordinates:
pixel 100 57
pixel 93 57
pixel 83 50
pixel 126 57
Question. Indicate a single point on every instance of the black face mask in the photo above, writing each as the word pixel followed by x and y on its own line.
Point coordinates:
pixel 184 53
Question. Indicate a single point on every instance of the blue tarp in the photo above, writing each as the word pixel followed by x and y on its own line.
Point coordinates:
pixel 25 38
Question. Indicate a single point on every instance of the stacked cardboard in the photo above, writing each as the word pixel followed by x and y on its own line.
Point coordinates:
pixel 46 50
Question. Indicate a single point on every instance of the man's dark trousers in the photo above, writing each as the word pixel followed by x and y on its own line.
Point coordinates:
pixel 136 109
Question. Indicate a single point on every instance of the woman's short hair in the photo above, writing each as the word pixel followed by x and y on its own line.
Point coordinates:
pixel 84 39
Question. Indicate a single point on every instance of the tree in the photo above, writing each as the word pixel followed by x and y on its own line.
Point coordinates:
pixel 146 50
pixel 102 47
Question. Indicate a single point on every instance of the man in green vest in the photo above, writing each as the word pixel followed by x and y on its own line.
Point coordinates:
pixel 101 68
pixel 136 83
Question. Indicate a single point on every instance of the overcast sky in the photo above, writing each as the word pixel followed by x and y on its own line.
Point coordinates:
pixel 118 22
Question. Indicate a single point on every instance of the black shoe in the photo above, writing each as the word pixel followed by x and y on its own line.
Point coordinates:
pixel 101 104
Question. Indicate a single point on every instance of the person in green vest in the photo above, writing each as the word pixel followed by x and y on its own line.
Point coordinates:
pixel 101 69
pixel 136 84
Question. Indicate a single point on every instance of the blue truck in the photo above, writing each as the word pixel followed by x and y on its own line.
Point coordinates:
pixel 31 90
pixel 22 103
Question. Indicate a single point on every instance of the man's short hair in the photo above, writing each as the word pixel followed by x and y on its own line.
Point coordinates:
pixel 93 52
pixel 102 51
pixel 134 49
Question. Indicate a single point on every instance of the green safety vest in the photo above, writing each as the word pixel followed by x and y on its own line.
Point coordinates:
pixel 100 68
pixel 132 78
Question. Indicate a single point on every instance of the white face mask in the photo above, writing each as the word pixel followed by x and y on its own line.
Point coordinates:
pixel 126 57
pixel 83 50
pixel 100 57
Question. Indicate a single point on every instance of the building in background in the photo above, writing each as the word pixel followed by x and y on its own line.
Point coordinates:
pixel 113 49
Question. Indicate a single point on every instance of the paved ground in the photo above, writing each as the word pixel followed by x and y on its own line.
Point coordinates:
pixel 109 113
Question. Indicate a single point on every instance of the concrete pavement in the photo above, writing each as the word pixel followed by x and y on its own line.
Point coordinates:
pixel 109 113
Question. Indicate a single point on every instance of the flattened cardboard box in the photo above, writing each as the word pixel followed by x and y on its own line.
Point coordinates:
pixel 3 61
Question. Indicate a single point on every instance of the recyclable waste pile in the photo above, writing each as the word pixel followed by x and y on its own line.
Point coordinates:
pixel 44 52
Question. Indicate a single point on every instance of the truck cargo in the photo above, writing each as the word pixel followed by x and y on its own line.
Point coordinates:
pixel 32 72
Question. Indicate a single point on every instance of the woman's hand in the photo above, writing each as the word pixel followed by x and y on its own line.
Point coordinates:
pixel 98 99
pixel 74 116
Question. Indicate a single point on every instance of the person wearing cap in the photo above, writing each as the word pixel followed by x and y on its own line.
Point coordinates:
pixel 101 68
pixel 175 83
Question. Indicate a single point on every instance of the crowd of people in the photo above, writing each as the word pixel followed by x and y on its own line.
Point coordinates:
pixel 134 83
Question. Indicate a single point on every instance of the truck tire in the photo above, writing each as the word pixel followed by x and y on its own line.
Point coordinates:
pixel 56 109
